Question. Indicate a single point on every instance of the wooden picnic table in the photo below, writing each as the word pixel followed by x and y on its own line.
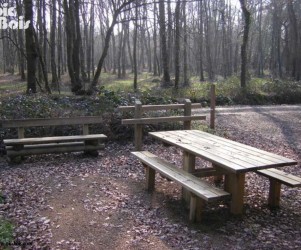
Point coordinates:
pixel 229 157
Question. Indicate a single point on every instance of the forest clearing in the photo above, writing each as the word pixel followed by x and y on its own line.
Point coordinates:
pixel 72 63
pixel 69 201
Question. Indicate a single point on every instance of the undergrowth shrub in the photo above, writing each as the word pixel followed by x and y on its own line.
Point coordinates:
pixel 6 233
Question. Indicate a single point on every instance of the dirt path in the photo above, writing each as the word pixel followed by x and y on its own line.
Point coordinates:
pixel 71 202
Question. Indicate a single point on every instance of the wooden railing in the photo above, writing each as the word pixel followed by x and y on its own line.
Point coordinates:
pixel 138 121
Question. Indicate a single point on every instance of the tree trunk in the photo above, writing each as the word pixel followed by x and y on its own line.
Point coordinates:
pixel 92 37
pixel 201 31
pixel 54 80
pixel 39 10
pixel 260 49
pixel 185 45
pixel 247 23
pixel 295 39
pixel 164 50
pixel 119 56
pixel 59 44
pixel 73 45
pixel 129 49
pixel 208 43
pixel 78 55
pixel 107 44
pixel 177 44
pixel 169 31
pixel 21 52
pixel 90 42
pixel 31 49
pixel 123 56
pixel 135 48
pixel 155 41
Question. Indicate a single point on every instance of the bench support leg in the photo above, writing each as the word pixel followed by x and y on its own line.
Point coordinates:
pixel 274 193
pixel 196 207
pixel 150 178
pixel 188 166
pixel 91 152
pixel 235 185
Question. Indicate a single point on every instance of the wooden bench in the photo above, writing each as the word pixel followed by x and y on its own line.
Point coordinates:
pixel 200 190
pixel 22 146
pixel 276 178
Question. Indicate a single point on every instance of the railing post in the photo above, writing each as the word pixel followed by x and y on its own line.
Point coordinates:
pixel 138 127
pixel 212 106
pixel 187 112
pixel 85 129
pixel 20 132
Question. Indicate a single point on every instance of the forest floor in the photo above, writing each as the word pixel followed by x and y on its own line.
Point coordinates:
pixel 69 201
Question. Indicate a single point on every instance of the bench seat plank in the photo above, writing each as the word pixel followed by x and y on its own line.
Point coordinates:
pixel 42 140
pixel 199 187
pixel 282 177
pixel 52 148
pixel 276 178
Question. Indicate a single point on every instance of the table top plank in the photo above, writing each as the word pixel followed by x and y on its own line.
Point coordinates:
pixel 204 154
pixel 233 156
pixel 225 149
pixel 243 147
pixel 215 150
pixel 245 151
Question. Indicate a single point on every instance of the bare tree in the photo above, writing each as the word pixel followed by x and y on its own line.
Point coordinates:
pixel 117 11
pixel 164 50
pixel 73 44
pixel 54 80
pixel 31 48
pixel 247 23
pixel 185 45
pixel 296 42
pixel 135 38
pixel 21 44
pixel 208 41
pixel 177 44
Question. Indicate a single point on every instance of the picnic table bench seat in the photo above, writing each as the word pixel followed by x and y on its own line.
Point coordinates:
pixel 22 146
pixel 201 191
pixel 276 178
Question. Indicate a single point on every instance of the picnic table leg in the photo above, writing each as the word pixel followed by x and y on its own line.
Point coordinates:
pixel 235 185
pixel 189 166
pixel 218 178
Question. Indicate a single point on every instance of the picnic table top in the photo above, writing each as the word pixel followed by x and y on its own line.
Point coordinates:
pixel 232 156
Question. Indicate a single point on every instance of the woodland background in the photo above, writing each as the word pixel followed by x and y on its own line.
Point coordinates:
pixel 176 40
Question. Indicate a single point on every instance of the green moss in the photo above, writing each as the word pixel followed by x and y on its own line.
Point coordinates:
pixel 6 232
